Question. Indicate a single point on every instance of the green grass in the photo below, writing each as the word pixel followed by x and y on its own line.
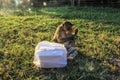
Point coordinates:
pixel 98 43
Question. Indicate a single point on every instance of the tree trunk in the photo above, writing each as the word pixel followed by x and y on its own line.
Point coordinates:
pixel 79 2
pixel 72 2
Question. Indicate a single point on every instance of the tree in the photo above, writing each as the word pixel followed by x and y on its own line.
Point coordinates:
pixel 72 2
pixel 79 2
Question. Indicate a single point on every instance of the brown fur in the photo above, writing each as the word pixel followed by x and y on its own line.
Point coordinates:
pixel 63 34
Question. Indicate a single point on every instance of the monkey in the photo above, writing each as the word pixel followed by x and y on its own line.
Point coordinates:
pixel 64 35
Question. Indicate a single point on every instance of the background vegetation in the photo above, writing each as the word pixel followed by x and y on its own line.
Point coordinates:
pixel 98 43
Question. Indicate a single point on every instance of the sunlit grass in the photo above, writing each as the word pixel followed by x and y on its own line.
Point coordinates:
pixel 98 43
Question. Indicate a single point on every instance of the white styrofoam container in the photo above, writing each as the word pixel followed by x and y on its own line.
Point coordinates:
pixel 50 55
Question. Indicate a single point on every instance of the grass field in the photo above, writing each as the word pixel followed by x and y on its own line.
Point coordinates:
pixel 98 43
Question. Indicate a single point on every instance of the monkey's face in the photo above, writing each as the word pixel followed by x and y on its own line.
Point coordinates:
pixel 67 28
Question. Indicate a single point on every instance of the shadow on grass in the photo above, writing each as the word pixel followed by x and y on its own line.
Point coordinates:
pixel 104 15
pixel 81 68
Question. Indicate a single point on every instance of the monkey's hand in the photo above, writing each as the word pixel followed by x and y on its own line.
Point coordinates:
pixel 75 31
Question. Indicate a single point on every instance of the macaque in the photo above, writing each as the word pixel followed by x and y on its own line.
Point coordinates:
pixel 65 34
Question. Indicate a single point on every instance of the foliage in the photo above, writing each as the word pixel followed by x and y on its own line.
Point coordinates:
pixel 98 43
